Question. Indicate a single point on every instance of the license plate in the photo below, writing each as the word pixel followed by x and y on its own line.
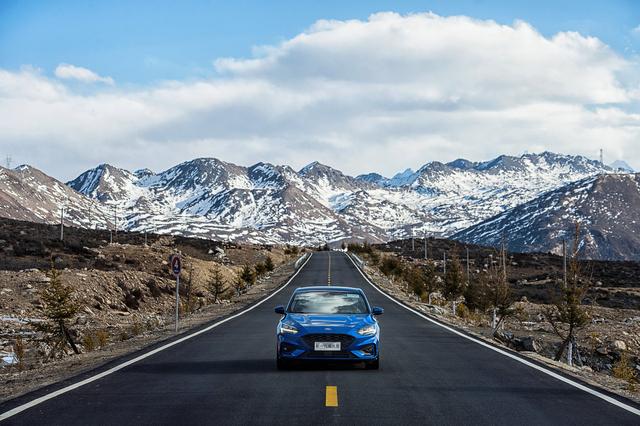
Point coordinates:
pixel 327 346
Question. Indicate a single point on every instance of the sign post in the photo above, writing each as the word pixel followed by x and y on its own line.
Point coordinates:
pixel 176 268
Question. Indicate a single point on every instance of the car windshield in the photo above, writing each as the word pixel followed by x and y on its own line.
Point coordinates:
pixel 328 302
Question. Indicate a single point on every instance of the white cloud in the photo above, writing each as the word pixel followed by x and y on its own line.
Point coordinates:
pixel 377 95
pixel 85 75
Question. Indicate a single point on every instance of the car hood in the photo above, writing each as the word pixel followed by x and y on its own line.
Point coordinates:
pixel 337 321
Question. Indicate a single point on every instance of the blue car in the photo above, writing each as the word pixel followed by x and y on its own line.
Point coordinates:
pixel 328 323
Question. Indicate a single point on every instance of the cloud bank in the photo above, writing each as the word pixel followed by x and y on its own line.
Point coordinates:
pixel 378 95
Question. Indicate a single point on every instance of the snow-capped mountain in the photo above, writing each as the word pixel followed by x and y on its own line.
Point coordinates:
pixel 621 166
pixel 266 203
pixel 28 194
pixel 607 208
pixel 461 193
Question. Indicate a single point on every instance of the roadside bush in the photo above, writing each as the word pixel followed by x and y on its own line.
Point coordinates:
pixel 88 342
pixel 391 266
pixel 291 250
pixel 374 258
pixel 19 350
pixel 463 311
pixel 623 369
pixel 259 269
pixel 102 338
pixel 364 248
pixel 415 280
pixel 248 276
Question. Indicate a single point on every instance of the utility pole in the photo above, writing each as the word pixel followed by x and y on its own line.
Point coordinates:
pixel 444 263
pixel 413 241
pixel 8 161
pixel 468 279
pixel 504 263
pixel 601 157
pixel 425 245
pixel 62 223
pixel 564 263
pixel 115 220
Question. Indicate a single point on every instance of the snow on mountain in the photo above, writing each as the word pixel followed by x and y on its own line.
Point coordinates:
pixel 28 194
pixel 106 183
pixel 607 208
pixel 268 203
pixel 461 194
pixel 621 166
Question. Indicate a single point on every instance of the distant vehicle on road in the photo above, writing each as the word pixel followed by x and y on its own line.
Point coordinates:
pixel 328 323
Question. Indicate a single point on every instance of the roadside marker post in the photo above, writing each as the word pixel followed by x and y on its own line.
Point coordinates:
pixel 176 268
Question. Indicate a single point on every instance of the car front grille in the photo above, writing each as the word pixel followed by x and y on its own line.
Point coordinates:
pixel 344 339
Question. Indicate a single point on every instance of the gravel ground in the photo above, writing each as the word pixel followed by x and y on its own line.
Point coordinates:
pixel 597 341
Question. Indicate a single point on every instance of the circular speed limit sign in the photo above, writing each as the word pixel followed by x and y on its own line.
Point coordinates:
pixel 176 265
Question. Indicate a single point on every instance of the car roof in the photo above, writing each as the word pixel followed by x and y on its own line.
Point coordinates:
pixel 329 288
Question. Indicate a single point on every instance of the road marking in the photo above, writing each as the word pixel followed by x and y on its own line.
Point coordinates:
pixel 551 373
pixel 329 273
pixel 331 396
pixel 37 401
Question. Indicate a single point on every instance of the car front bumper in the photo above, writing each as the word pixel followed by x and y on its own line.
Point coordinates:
pixel 354 348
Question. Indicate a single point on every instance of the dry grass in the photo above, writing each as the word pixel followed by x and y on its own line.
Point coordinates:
pixel 624 370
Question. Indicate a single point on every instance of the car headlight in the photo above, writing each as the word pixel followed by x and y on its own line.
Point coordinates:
pixel 287 329
pixel 367 330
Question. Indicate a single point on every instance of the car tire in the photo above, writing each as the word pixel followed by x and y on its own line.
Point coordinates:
pixel 282 364
pixel 372 365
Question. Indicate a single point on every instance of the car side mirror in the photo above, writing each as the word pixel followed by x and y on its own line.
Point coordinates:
pixel 279 309
pixel 377 310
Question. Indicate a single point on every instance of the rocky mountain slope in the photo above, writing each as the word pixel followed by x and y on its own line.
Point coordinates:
pixel 265 203
pixel 606 206
pixel 28 194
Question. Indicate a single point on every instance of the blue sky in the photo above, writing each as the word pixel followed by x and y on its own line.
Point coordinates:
pixel 145 41
pixel 375 86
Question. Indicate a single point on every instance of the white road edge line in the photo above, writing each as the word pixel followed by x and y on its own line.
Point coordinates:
pixel 502 352
pixel 118 367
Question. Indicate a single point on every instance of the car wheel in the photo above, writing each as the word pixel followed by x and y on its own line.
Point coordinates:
pixel 372 365
pixel 282 364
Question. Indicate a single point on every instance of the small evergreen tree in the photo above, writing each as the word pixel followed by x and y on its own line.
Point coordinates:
pixel 259 269
pixel 432 282
pixel 238 283
pixel 248 276
pixel 454 281
pixel 216 283
pixel 476 294
pixel 567 315
pixel 268 264
pixel 499 296
pixel 59 310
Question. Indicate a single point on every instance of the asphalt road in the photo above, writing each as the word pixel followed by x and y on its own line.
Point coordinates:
pixel 428 375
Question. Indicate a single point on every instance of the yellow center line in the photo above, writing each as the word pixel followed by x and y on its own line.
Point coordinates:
pixel 331 397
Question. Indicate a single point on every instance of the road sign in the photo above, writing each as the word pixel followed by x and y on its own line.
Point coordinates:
pixel 176 265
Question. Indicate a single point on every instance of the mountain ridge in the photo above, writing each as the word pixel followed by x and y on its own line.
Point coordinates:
pixel 274 204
